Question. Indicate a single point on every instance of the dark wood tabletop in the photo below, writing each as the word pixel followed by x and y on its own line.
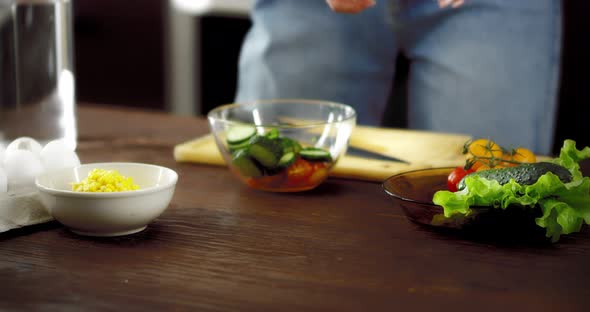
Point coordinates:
pixel 223 247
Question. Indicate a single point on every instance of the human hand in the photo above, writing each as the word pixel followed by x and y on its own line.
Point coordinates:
pixel 452 3
pixel 350 6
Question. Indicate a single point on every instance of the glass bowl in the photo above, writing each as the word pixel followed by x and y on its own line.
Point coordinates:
pixel 413 192
pixel 282 145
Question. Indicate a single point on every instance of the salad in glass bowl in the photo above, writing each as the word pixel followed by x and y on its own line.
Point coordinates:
pixel 282 145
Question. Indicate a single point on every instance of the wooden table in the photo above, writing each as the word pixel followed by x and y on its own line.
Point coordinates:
pixel 221 246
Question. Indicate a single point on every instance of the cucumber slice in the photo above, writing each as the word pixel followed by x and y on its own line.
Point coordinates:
pixel 246 165
pixel 272 134
pixel 290 145
pixel 238 146
pixel 314 153
pixel 266 151
pixel 287 159
pixel 239 134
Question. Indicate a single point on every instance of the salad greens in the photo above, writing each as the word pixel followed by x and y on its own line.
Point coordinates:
pixel 565 206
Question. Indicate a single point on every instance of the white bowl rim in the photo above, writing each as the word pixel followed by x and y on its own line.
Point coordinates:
pixel 140 192
pixel 217 109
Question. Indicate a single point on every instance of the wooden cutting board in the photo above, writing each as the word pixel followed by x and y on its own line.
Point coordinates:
pixel 422 149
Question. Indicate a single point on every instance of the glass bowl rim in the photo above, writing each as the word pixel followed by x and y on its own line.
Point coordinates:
pixel 406 199
pixel 223 107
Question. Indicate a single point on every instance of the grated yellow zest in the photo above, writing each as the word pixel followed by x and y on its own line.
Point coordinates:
pixel 100 180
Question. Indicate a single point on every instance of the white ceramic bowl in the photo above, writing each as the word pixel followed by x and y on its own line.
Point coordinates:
pixel 107 214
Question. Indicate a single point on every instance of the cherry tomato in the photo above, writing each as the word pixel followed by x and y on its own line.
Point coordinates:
pixel 487 167
pixel 524 155
pixel 455 177
pixel 485 152
pixel 517 156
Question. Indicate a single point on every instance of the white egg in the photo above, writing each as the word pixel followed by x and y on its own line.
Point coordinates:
pixel 23 143
pixel 61 143
pixel 22 167
pixel 58 154
pixel 3 181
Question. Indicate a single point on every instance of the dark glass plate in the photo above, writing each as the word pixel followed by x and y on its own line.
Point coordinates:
pixel 413 192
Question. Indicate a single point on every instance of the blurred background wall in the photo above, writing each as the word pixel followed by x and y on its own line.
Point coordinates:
pixel 124 56
pixel 119 51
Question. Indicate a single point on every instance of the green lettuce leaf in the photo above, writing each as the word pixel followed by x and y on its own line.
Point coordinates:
pixel 565 206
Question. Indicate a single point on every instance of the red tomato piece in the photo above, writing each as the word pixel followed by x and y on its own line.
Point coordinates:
pixel 298 172
pixel 320 173
pixel 455 177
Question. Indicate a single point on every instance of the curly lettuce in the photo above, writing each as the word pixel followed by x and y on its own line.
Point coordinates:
pixel 565 206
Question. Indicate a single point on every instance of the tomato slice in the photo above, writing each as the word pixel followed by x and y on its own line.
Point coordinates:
pixel 298 172
pixel 320 173
pixel 455 177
